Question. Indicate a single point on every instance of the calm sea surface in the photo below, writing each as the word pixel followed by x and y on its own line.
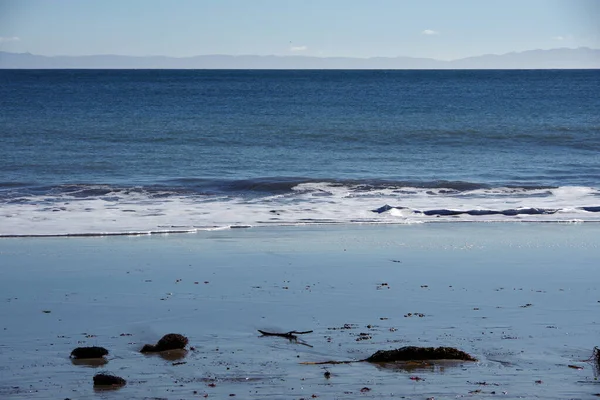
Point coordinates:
pixel 89 152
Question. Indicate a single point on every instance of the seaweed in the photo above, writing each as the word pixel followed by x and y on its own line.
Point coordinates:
pixel 596 360
pixel 409 353
pixel 414 353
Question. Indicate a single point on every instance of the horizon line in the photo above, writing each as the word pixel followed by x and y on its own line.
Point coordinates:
pixel 297 55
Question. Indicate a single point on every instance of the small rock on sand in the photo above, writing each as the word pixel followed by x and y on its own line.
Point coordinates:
pixel 171 341
pixel 89 352
pixel 108 380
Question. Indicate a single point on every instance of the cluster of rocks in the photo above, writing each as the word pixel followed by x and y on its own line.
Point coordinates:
pixel 175 341
pixel 171 341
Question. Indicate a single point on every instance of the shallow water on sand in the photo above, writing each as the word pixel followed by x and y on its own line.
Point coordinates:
pixel 521 298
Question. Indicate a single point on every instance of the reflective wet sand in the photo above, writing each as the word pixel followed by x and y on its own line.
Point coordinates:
pixel 522 298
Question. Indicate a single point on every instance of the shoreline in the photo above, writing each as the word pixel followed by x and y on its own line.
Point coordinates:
pixel 522 298
pixel 317 225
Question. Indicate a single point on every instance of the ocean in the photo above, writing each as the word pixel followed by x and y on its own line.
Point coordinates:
pixel 99 152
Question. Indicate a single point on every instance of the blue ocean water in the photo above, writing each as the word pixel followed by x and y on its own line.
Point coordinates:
pixel 86 152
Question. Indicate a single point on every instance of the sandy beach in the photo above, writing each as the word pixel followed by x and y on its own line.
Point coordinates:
pixel 521 298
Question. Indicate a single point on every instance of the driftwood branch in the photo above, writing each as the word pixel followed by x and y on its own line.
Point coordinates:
pixel 291 335
pixel 329 362
pixel 287 335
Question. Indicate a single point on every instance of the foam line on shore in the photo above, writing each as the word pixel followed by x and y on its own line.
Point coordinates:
pixel 264 224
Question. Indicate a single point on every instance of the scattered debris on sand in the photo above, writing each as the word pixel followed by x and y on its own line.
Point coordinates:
pixel 108 380
pixel 89 352
pixel 171 341
pixel 346 326
pixel 417 314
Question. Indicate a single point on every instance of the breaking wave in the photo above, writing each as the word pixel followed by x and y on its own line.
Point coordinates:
pixel 188 205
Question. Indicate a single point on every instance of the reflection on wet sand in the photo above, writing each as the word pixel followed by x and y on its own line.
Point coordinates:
pixel 170 355
pixel 89 362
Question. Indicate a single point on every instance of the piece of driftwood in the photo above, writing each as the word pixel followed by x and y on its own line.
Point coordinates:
pixel 291 336
pixel 287 335
pixel 407 354
pixel 89 352
pixel 171 341
pixel 330 362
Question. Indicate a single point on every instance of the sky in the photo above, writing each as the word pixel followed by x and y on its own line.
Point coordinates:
pixel 440 29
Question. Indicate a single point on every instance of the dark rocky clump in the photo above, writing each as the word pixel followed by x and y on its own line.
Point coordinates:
pixel 171 341
pixel 596 360
pixel 413 353
pixel 108 380
pixel 89 352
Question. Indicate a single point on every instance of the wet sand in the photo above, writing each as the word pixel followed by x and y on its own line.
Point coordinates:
pixel 522 298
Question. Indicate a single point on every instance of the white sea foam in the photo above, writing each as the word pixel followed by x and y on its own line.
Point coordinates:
pixel 137 211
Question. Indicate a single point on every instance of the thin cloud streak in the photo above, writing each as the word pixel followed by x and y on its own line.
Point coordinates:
pixel 429 32
pixel 298 48
pixel 9 39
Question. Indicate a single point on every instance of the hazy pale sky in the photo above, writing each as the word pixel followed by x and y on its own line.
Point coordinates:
pixel 440 29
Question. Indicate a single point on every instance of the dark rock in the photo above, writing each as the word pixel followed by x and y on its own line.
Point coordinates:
pixel 108 380
pixel 171 341
pixel 443 212
pixel 89 352
pixel 591 209
pixel 382 209
pixel 413 353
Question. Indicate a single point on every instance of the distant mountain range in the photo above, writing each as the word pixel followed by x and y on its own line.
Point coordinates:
pixel 563 58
